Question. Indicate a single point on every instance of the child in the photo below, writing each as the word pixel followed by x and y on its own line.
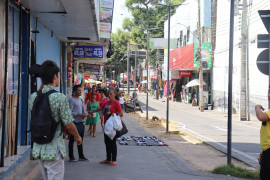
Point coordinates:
pixel 92 122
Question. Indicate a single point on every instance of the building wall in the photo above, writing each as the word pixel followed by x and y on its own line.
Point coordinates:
pixel 184 18
pixel 258 81
pixel 48 47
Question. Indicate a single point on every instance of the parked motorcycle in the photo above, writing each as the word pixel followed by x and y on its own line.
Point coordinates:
pixel 133 105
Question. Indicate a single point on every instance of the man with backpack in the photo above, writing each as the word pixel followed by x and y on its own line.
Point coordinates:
pixel 76 105
pixel 49 114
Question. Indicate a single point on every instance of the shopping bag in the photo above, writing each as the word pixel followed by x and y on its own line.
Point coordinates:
pixel 108 129
pixel 117 124
pixel 123 131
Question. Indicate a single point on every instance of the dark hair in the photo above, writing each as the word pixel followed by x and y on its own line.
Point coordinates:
pixel 93 94
pixel 103 91
pixel 48 70
pixel 35 70
pixel 76 87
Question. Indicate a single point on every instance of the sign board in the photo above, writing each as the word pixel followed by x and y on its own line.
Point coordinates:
pixel 206 54
pixel 89 68
pixel 263 41
pixel 88 53
pixel 161 43
pixel 263 61
pixel 105 18
pixel 185 73
pixel 265 16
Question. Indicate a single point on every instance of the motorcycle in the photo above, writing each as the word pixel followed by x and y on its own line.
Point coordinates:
pixel 133 105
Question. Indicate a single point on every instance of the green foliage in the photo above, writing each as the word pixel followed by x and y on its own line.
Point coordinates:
pixel 147 14
pixel 119 45
pixel 236 171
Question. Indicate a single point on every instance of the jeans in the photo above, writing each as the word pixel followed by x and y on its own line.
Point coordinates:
pixel 122 106
pixel 111 148
pixel 80 128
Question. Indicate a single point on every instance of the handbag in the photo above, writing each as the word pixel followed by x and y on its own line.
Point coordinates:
pixel 123 131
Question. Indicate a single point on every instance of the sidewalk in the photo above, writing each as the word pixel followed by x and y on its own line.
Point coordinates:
pixel 134 162
pixel 210 127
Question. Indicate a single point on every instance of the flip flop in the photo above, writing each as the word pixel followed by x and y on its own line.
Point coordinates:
pixel 113 163
pixel 105 162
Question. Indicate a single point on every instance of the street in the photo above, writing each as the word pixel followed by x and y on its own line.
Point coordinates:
pixel 211 127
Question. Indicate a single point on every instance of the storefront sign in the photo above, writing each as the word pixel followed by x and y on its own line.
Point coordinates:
pixel 206 55
pixel 185 73
pixel 89 68
pixel 105 16
pixel 88 52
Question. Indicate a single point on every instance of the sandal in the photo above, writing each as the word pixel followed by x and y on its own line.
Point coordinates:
pixel 113 163
pixel 105 162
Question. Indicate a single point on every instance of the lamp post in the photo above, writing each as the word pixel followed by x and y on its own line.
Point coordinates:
pixel 168 61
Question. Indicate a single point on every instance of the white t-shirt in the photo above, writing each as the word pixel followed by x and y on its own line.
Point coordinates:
pixel 121 100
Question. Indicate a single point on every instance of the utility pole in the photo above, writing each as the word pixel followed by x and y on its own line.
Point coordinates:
pixel 135 69
pixel 157 69
pixel 230 79
pixel 243 80
pixel 123 67
pixel 147 69
pixel 128 66
pixel 200 58
pixel 168 61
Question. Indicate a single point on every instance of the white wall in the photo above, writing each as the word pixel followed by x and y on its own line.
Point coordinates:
pixel 185 16
pixel 258 81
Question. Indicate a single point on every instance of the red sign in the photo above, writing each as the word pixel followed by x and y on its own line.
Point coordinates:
pixel 185 73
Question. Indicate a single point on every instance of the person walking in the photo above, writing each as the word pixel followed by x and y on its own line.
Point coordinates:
pixel 103 100
pixel 122 100
pixel 51 155
pixel 111 108
pixel 76 105
pixel 89 95
pixel 264 116
pixel 92 120
pixel 161 91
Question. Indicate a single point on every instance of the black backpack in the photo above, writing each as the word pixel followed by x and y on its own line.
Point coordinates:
pixel 43 126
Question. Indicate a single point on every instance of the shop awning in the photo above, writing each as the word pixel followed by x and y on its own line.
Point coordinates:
pixel 182 57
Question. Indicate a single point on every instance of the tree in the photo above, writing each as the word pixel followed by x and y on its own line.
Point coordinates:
pixel 146 15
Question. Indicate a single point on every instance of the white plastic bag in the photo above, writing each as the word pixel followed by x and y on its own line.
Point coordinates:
pixel 108 129
pixel 117 124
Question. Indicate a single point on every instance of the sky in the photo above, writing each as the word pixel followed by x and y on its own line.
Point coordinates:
pixel 119 13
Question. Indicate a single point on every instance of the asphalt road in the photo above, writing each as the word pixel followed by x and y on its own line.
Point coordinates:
pixel 211 127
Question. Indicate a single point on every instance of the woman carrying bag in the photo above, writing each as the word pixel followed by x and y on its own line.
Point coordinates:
pixel 112 107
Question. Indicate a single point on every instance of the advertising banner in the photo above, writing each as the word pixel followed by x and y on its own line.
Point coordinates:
pixel 161 43
pixel 93 69
pixel 105 17
pixel 88 53
pixel 206 55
